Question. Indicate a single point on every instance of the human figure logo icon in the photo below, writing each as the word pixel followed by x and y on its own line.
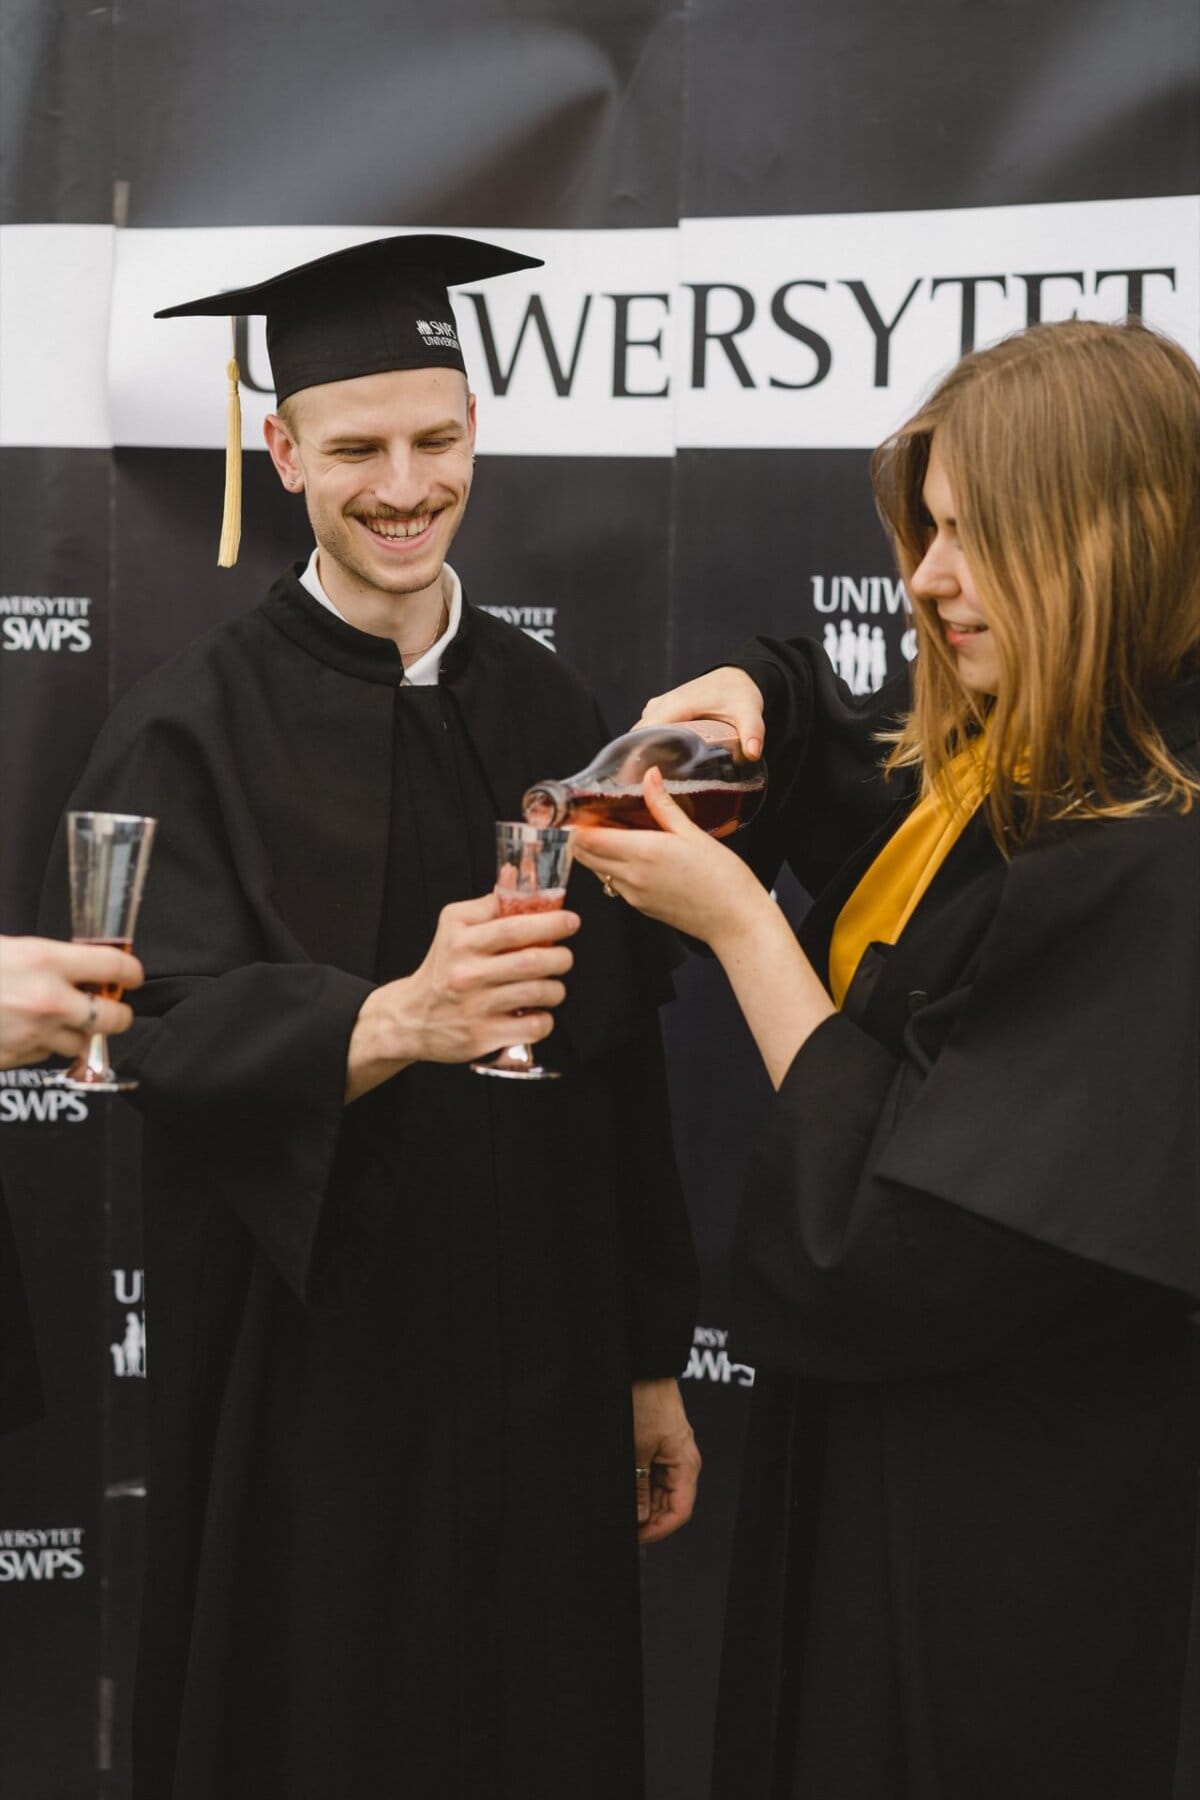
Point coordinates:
pixel 859 656
pixel 129 1356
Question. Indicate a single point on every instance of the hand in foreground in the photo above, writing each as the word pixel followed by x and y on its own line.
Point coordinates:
pixel 677 874
pixel 42 1011
pixel 664 1445
pixel 727 694
pixel 462 1004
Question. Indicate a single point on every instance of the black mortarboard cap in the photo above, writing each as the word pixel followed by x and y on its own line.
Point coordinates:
pixel 374 307
pixel 377 306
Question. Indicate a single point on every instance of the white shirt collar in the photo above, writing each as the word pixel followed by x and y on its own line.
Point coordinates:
pixel 423 672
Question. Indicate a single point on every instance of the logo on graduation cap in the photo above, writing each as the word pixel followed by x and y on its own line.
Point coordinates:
pixel 364 311
pixel 439 332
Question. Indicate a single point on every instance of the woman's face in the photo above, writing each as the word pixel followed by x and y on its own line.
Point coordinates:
pixel 943 581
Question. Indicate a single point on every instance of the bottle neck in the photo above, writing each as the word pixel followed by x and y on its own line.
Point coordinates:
pixel 546 804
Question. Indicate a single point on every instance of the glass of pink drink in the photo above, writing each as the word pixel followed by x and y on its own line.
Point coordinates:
pixel 532 865
pixel 107 858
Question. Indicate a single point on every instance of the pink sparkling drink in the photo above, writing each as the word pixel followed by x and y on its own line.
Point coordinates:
pixel 511 902
pixel 532 865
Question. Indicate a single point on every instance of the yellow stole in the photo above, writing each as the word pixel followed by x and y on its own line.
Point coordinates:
pixel 892 888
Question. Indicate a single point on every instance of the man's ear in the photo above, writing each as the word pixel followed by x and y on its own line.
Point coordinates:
pixel 471 422
pixel 282 448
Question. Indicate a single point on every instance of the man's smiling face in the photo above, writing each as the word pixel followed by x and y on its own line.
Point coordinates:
pixel 384 463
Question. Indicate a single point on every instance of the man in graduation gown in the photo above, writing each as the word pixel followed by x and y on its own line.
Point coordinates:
pixel 396 1309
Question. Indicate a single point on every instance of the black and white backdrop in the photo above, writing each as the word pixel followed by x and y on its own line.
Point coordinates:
pixel 768 225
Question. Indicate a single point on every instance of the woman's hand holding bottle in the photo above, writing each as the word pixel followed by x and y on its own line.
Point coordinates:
pixel 727 693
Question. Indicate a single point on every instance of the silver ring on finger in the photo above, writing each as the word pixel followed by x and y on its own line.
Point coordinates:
pixel 610 892
pixel 641 1474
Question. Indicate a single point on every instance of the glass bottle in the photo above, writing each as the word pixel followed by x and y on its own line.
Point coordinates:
pixel 702 766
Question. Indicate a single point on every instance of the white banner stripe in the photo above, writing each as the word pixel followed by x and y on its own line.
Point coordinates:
pixel 812 332
pixel 55 288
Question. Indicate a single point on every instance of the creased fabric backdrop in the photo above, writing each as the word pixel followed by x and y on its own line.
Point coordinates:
pixel 768 226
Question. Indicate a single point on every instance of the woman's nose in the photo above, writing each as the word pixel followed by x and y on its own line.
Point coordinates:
pixel 933 579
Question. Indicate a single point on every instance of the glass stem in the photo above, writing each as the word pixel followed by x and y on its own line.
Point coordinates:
pixel 95 1063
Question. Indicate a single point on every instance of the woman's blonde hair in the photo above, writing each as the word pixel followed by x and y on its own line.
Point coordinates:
pixel 1073 455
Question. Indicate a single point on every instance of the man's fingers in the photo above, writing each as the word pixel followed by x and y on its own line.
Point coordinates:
pixel 111 1018
pixel 517 1028
pixel 97 963
pixel 671 1506
pixel 528 996
pixel 674 1478
pixel 472 912
pixel 548 963
pixel 662 1517
pixel 524 930
pixel 490 932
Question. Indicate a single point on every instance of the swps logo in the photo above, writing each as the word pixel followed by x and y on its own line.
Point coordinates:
pixel 55 1554
pixel 437 334
pixel 33 1097
pixel 709 1360
pixel 45 622
pixel 537 622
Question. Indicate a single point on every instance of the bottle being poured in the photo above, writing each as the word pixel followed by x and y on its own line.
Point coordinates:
pixel 702 767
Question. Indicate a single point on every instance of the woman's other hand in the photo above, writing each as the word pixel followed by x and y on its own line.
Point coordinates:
pixel 677 874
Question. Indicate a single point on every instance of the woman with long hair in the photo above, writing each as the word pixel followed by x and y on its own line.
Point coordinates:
pixel 969 1250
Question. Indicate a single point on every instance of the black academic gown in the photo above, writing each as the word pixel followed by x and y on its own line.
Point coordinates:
pixel 965 1265
pixel 391 1539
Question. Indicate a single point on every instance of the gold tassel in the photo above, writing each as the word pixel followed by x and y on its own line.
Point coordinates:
pixel 231 519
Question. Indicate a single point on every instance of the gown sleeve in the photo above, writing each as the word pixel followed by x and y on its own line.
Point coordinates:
pixel 1040 1132
pixel 239 1042
pixel 826 793
pixel 661 1277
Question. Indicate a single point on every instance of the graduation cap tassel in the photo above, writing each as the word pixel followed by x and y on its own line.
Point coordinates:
pixel 231 519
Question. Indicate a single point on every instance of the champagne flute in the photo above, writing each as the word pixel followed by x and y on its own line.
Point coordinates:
pixel 107 858
pixel 532 865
